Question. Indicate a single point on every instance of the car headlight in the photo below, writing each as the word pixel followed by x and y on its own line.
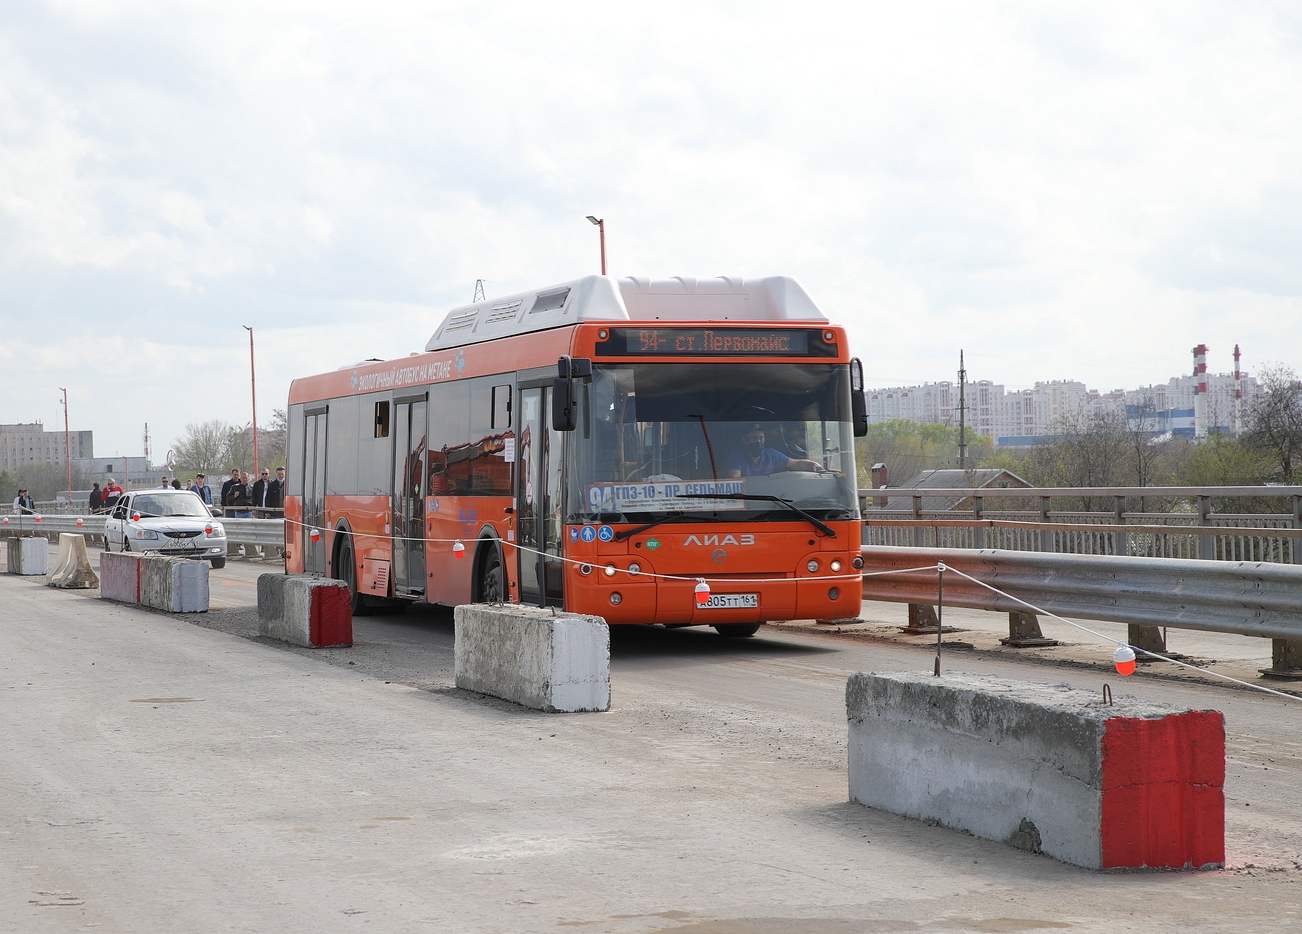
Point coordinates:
pixel 216 530
pixel 146 533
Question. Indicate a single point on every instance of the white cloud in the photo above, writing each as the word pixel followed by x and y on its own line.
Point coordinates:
pixel 1064 193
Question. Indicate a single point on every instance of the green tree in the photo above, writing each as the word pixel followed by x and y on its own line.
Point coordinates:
pixel 908 448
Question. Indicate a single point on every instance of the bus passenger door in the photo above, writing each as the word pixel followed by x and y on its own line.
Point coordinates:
pixel 409 432
pixel 538 502
pixel 314 468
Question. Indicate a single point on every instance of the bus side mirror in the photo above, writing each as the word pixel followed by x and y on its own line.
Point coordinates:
pixel 564 395
pixel 858 402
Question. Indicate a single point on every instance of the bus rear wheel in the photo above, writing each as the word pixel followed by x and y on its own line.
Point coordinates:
pixel 736 630
pixel 345 569
pixel 492 580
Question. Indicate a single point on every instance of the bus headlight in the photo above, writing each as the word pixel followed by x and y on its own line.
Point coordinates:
pixel 616 599
pixel 635 569
pixel 835 565
pixel 811 565
pixel 857 562
pixel 609 570
pixel 834 593
pixel 585 569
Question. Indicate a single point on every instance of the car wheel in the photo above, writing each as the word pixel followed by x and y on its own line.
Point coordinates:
pixel 737 630
pixel 492 582
pixel 218 562
pixel 345 569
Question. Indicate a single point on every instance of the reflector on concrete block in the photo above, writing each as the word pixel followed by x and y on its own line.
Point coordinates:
pixel 119 575
pixel 309 611
pixel 28 556
pixel 72 568
pixel 1043 767
pixel 558 662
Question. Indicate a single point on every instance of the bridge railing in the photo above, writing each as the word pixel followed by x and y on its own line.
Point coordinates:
pixel 1053 521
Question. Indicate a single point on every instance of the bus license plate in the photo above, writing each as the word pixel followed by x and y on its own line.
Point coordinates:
pixel 731 601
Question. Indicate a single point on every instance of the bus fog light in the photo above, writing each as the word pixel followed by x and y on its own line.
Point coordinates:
pixel 811 566
pixel 585 569
pixel 835 565
pixel 616 599
pixel 857 563
pixel 635 569
pixel 609 570
pixel 834 594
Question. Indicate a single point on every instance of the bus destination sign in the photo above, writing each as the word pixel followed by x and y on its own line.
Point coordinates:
pixel 715 342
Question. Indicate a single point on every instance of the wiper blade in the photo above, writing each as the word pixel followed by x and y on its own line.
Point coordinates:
pixel 676 517
pixel 816 523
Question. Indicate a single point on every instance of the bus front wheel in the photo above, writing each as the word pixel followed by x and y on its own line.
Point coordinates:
pixel 737 630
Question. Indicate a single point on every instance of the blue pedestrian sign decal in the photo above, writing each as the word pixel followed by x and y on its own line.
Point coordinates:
pixel 588 534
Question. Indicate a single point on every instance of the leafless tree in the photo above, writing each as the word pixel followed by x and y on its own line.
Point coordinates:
pixel 1275 420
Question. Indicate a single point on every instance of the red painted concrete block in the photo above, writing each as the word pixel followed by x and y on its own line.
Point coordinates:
pixel 331 616
pixel 1164 791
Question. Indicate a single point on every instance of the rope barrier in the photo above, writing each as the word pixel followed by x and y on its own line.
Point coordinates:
pixel 940 568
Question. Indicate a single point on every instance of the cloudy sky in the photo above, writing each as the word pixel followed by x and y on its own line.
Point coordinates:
pixel 1065 191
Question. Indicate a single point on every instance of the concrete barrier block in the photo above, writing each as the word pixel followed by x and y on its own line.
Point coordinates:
pixel 120 576
pixel 1042 767
pixel 174 585
pixel 28 555
pixel 72 569
pixel 309 611
pixel 557 662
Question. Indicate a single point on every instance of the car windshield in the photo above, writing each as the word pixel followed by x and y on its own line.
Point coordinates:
pixel 658 440
pixel 181 503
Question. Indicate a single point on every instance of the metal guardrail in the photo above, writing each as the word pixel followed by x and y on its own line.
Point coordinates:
pixel 1029 523
pixel 265 533
pixel 1248 598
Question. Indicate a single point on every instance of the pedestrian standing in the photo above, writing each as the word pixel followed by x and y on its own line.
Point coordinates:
pixel 276 492
pixel 226 487
pixel 96 502
pixel 200 485
pixel 23 505
pixel 112 492
pixel 261 487
pixel 242 496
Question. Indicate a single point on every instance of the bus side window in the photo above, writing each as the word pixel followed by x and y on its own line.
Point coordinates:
pixel 382 419
pixel 501 407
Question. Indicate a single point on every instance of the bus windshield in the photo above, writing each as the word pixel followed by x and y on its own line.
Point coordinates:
pixel 656 440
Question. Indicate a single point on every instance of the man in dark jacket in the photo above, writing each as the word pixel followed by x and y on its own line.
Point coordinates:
pixel 226 487
pixel 261 487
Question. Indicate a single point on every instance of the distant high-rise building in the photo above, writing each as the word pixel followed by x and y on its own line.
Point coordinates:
pixel 32 444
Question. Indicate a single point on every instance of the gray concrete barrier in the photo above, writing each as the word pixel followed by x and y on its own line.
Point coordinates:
pixel 28 556
pixel 175 585
pixel 550 661
pixel 310 611
pixel 72 570
pixel 1042 767
pixel 119 575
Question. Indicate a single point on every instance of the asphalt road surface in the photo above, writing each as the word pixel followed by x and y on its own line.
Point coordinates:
pixel 167 774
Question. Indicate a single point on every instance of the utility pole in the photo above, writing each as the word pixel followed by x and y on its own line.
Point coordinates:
pixel 962 413
pixel 67 444
pixel 253 389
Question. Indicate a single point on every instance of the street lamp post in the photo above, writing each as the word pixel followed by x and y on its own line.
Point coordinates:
pixel 67 445
pixel 253 390
pixel 601 226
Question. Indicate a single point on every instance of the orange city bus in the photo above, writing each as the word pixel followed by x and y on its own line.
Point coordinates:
pixel 649 451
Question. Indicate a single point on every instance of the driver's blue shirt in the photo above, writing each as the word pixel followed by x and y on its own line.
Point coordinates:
pixel 770 461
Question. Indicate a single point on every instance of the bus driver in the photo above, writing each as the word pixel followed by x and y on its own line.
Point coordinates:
pixel 753 459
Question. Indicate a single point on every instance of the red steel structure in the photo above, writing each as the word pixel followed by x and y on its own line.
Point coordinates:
pixel 602 446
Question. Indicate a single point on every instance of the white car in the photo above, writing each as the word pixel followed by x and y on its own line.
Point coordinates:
pixel 167 522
